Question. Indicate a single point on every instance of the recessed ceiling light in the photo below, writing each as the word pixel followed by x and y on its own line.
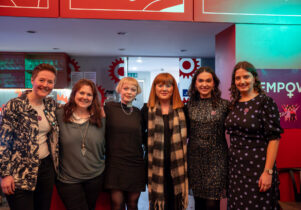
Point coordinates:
pixel 121 49
pixel 162 69
pixel 183 50
pixel 139 60
pixel 31 31
pixel 121 33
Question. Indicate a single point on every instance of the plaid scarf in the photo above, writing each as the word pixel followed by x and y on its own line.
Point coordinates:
pixel 178 157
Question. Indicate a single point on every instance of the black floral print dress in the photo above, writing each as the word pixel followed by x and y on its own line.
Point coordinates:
pixel 251 125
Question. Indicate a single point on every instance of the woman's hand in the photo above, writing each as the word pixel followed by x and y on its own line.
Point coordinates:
pixel 265 182
pixel 8 185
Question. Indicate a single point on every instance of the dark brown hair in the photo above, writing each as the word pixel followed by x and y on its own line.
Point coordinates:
pixel 165 78
pixel 215 93
pixel 43 67
pixel 94 109
pixel 235 94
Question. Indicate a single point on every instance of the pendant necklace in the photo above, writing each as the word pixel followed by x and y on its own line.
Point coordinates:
pixel 125 112
pixel 84 135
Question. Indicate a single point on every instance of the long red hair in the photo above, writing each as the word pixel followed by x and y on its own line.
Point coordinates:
pixel 165 78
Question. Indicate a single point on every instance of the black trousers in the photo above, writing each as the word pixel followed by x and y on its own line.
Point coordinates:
pixel 81 196
pixel 40 199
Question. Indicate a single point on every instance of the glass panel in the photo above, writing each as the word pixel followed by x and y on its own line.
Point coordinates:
pixel 145 69
pixel 12 62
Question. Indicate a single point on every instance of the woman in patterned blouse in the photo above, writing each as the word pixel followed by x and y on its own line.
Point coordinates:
pixel 29 144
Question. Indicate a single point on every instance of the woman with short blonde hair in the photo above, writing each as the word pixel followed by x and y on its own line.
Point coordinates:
pixel 125 165
pixel 128 80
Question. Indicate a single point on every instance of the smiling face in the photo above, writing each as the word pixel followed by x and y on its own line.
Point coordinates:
pixel 204 84
pixel 128 93
pixel 244 81
pixel 164 91
pixel 43 83
pixel 84 97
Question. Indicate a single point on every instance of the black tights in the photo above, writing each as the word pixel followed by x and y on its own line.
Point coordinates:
pixel 206 204
pixel 120 198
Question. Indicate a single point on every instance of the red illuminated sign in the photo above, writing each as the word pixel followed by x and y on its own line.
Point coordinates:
pixel 255 11
pixel 128 9
pixel 29 8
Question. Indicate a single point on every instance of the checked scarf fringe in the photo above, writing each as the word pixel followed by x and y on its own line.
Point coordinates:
pixel 178 157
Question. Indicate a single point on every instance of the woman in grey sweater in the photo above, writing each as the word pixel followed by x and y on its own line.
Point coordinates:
pixel 82 145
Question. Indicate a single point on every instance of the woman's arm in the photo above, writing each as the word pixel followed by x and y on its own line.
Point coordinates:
pixel 144 119
pixel 185 109
pixel 265 179
pixel 6 141
pixel 272 131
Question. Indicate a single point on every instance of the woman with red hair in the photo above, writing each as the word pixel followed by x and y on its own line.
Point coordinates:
pixel 164 118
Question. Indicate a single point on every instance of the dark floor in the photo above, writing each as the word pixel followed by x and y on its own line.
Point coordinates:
pixel 143 202
pixel 3 204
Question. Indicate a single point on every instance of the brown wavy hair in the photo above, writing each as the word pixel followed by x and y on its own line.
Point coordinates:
pixel 165 78
pixel 94 109
pixel 235 94
pixel 215 93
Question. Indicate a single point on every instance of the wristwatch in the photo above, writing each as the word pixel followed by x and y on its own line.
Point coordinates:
pixel 269 171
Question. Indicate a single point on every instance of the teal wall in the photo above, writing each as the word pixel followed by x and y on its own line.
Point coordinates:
pixel 269 46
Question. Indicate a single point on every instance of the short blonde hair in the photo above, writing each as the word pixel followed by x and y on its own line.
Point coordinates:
pixel 128 80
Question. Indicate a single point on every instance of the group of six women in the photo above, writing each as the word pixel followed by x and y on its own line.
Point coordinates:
pixel 168 146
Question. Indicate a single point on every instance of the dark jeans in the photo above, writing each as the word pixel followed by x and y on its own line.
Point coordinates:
pixel 40 199
pixel 81 196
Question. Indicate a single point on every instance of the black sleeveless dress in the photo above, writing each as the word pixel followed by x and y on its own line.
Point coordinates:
pixel 125 164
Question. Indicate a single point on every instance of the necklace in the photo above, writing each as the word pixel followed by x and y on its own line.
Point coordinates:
pixel 125 112
pixel 78 119
pixel 84 135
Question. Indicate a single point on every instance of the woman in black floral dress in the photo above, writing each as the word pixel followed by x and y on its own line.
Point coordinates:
pixel 254 128
pixel 207 146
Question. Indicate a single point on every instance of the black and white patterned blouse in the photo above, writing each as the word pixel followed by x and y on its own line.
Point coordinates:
pixel 18 140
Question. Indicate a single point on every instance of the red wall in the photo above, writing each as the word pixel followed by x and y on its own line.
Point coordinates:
pixel 289 156
pixel 225 58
